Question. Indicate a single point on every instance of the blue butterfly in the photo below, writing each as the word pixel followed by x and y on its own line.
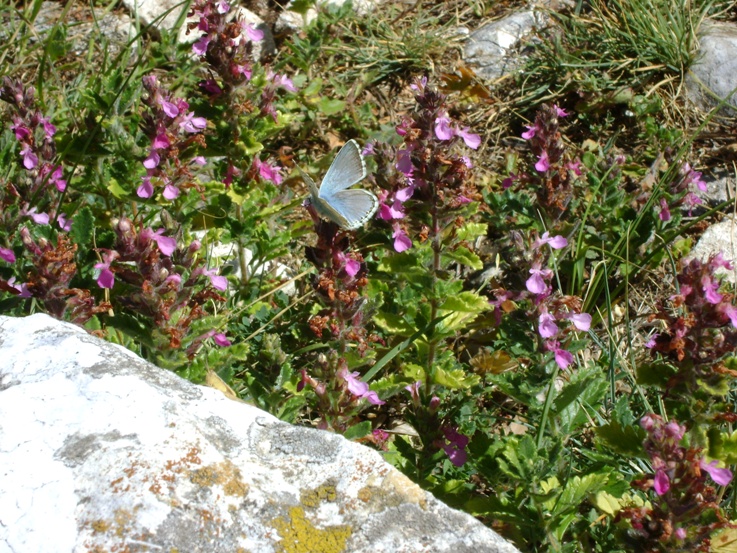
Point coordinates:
pixel 348 208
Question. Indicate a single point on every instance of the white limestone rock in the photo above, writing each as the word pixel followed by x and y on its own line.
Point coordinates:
pixel 157 14
pixel 102 451
pixel 713 77
pixel 720 237
pixel 494 48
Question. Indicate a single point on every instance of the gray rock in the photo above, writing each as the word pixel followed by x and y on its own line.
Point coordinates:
pixel 157 14
pixel 494 48
pixel 720 186
pixel 713 77
pixel 718 238
pixel 102 451
pixel 291 22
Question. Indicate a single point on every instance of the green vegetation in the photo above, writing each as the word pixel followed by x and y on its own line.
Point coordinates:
pixel 517 329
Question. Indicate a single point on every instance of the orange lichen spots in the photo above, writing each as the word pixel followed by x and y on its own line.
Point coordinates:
pixel 299 535
pixel 224 474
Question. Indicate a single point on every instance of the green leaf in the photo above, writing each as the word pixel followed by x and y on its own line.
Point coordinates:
pixel 394 324
pixel 115 189
pixel 723 446
pixel 83 227
pixel 607 503
pixel 358 431
pixel 330 106
pixel 455 379
pixel 471 231
pixel 657 373
pixel 463 256
pixel 466 302
pixel 627 440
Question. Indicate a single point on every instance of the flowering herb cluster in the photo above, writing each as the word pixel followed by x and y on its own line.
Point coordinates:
pixel 685 511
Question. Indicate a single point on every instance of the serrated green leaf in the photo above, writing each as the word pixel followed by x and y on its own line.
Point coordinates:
pixel 657 373
pixel 607 503
pixel 627 440
pixel 455 379
pixel 394 324
pixel 83 227
pixel 471 231
pixel 466 302
pixel 115 189
pixel 463 256
pixel 723 446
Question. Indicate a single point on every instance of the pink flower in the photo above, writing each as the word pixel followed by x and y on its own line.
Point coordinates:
pixel 414 391
pixel 199 48
pixel 651 343
pixel 404 162
pixel 166 244
pixel 355 386
pixel 192 124
pixel 268 171
pixel 530 132
pixel 64 223
pixel 22 288
pixel 664 214
pixel 170 192
pixel 146 190
pixel 661 483
pixel 731 312
pixel 282 81
pixel 106 278
pixel 547 326
pixel 218 282
pixel 222 6
pixel 7 254
pixel 680 533
pixel 442 128
pixel 560 112
pixel 536 283
pixel 30 160
pixel 373 398
pixel 556 242
pixel 582 321
pixel 455 447
pixel 253 34
pixel 49 129
pixel 720 476
pixel 57 180
pixel 152 161
pixel 401 240
pixel 710 291
pixel 562 357
pixel 161 141
pixel 543 163
pixel 221 340
pixel 472 140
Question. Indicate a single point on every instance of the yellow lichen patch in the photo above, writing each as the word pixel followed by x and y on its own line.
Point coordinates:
pixel 299 535
pixel 313 498
pixel 225 474
pixel 100 526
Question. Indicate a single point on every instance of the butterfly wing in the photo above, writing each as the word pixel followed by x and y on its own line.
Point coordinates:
pixel 349 208
pixel 347 169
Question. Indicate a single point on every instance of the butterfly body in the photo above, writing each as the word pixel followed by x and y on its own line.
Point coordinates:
pixel 332 200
